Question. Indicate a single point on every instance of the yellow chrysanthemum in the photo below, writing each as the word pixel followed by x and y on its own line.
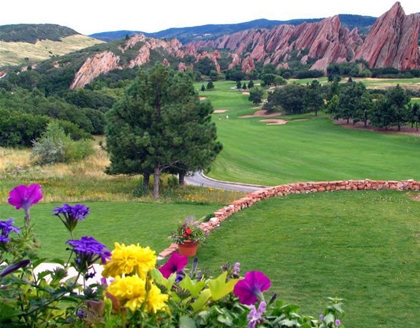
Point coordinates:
pixel 130 259
pixel 131 293
pixel 155 300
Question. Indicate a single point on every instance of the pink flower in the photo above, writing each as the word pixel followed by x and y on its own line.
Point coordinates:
pixel 175 263
pixel 250 289
pixel 24 197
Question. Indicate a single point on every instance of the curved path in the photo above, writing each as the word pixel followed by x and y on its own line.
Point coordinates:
pixel 199 179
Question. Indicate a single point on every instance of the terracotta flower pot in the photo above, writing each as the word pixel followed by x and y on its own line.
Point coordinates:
pixel 188 248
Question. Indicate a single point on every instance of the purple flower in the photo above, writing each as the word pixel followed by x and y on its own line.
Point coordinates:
pixel 88 250
pixel 13 267
pixel 250 289
pixel 236 267
pixel 24 197
pixel 6 227
pixel 255 316
pixel 70 215
pixel 175 263
pixel 337 322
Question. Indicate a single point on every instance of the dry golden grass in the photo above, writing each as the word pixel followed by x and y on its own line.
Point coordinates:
pixel 12 159
pixel 14 53
pixel 86 181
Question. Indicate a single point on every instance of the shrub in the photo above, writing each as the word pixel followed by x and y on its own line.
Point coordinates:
pixel 55 146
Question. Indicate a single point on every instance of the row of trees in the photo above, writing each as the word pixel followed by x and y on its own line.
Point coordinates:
pixel 351 101
pixel 356 103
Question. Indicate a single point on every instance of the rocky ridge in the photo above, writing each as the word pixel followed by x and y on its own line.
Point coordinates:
pixel 391 42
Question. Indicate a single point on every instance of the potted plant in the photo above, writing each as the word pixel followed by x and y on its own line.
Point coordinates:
pixel 188 236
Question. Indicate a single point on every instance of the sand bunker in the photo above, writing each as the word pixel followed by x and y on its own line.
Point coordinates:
pixel 245 93
pixel 218 111
pixel 202 98
pixel 261 113
pixel 269 121
pixel 273 121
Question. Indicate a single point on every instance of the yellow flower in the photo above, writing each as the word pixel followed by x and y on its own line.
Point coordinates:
pixel 131 293
pixel 129 260
pixel 155 300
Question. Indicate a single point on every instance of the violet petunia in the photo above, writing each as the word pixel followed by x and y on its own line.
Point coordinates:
pixel 15 266
pixel 25 196
pixel 249 290
pixel 175 263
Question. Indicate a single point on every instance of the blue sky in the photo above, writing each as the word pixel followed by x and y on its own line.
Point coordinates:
pixel 92 16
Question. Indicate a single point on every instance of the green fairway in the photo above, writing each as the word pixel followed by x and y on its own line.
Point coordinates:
pixel 313 149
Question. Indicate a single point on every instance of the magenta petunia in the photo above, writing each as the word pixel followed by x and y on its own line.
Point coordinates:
pixel 249 290
pixel 25 196
pixel 175 263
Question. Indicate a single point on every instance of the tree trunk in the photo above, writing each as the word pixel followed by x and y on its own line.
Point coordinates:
pixel 181 179
pixel 146 180
pixel 156 176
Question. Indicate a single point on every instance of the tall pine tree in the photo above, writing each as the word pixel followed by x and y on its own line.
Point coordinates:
pixel 160 125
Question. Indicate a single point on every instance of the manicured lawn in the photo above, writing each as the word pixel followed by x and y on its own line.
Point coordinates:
pixel 148 224
pixel 311 150
pixel 362 246
pixel 306 149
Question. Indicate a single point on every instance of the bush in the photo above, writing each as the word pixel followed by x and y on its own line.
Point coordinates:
pixel 55 146
pixel 18 129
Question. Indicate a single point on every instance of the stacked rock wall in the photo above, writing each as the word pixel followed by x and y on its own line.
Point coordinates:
pixel 298 188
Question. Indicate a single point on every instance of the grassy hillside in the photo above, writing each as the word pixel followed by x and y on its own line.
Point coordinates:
pixel 25 44
pixel 20 53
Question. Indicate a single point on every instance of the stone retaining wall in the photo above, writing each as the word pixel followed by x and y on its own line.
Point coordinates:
pixel 298 188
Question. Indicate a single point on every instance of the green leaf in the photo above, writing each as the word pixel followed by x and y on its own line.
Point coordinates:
pixel 194 287
pixel 219 287
pixel 161 280
pixel 201 300
pixel 186 322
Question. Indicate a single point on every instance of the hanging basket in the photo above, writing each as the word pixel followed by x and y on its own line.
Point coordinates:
pixel 188 248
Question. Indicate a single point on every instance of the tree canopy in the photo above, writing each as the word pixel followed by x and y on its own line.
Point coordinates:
pixel 161 124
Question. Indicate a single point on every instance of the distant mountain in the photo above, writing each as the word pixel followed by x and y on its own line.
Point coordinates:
pixel 213 31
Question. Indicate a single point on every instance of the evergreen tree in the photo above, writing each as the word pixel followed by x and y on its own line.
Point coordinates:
pixel 313 99
pixel 393 109
pixel 160 124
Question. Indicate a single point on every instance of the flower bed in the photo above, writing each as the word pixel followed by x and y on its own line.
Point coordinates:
pixel 134 290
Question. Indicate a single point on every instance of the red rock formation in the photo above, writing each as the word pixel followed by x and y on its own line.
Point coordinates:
pixel 93 67
pixel 392 41
pixel 104 62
